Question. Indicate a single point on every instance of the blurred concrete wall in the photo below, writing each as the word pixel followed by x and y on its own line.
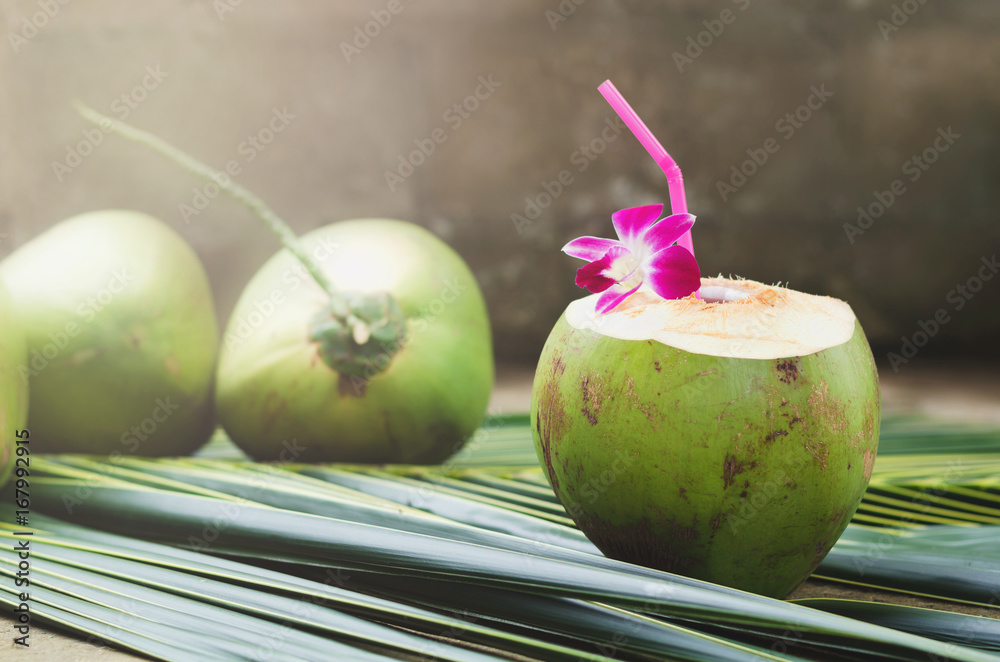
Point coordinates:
pixel 891 107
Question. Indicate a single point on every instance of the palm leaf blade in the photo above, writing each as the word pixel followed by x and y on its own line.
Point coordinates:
pixel 318 540
pixel 483 535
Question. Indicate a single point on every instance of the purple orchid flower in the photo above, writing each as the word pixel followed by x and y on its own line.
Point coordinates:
pixel 644 252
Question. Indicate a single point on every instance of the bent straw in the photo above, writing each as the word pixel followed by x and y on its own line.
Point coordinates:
pixel 675 181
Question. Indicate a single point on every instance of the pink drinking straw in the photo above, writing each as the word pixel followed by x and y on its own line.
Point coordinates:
pixel 675 181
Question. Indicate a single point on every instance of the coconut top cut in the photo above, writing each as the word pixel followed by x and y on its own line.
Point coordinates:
pixel 733 318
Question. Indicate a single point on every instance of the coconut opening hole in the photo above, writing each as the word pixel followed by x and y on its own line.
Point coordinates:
pixel 721 294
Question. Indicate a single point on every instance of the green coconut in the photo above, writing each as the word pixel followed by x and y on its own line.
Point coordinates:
pixel 728 438
pixel 122 336
pixel 289 387
pixel 13 389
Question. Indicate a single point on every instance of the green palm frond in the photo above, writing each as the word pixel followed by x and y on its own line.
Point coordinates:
pixel 957 628
pixel 476 559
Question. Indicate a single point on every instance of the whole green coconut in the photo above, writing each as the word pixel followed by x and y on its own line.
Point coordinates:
pixel 426 341
pixel 728 438
pixel 122 336
pixel 13 389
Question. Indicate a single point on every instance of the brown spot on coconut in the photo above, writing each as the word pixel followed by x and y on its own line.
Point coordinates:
pixel 732 467
pixel 172 365
pixel 788 370
pixel 592 399
pixel 547 403
pixel 869 463
pixel 827 407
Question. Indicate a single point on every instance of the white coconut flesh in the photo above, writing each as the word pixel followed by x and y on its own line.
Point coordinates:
pixel 740 319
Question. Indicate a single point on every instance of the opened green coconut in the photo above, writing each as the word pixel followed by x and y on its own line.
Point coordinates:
pixel 13 389
pixel 122 337
pixel 401 373
pixel 720 429
pixel 728 438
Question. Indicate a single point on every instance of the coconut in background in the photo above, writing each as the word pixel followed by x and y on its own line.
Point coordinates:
pixel 365 340
pixel 122 340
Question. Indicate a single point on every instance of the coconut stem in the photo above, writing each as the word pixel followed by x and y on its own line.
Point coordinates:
pixel 347 326
pixel 260 209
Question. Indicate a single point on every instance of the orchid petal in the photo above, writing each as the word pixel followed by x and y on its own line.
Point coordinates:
pixel 667 231
pixel 589 277
pixel 589 248
pixel 672 273
pixel 631 223
pixel 595 276
pixel 612 297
